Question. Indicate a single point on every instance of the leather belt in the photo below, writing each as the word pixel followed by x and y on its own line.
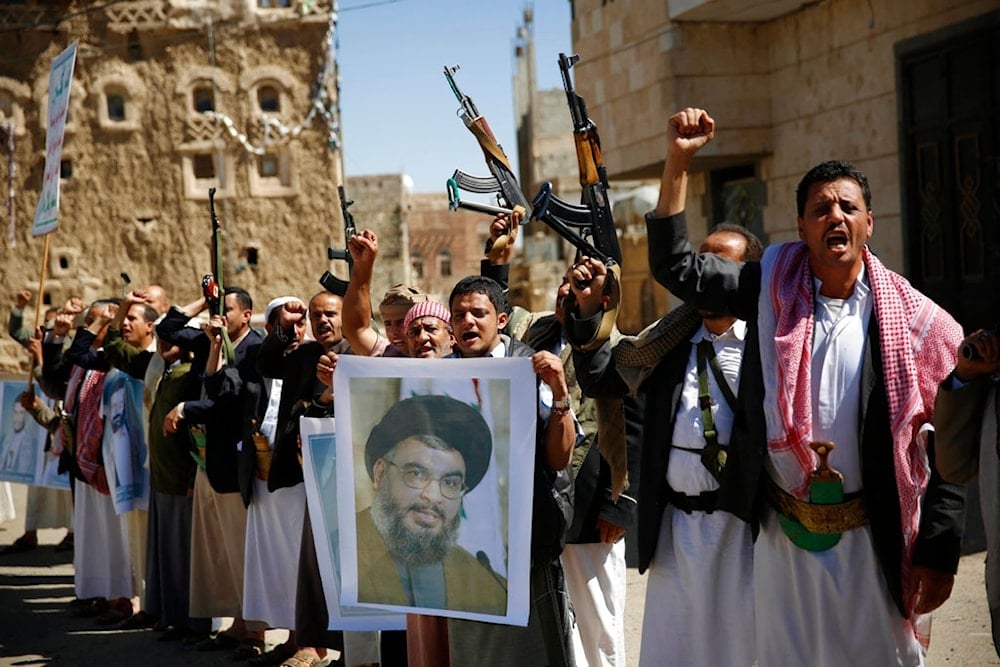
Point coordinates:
pixel 824 519
pixel 706 501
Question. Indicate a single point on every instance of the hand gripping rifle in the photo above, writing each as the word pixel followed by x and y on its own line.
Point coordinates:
pixel 330 282
pixel 211 284
pixel 502 182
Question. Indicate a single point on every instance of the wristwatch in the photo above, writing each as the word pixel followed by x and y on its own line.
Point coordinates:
pixel 561 404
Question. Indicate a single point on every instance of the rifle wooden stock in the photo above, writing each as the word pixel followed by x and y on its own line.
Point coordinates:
pixel 588 157
pixel 593 175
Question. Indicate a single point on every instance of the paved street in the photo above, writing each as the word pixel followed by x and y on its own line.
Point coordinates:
pixel 36 629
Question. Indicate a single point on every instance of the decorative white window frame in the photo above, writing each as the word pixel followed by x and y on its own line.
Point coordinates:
pixel 132 88
pixel 284 184
pixel 417 266
pixel 289 88
pixel 223 181
pixel 221 82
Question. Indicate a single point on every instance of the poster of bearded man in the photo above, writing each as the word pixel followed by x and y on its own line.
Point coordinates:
pixel 26 454
pixel 441 457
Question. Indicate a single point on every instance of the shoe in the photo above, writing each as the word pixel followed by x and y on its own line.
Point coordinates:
pixel 160 626
pixel 274 657
pixel 138 621
pixel 304 659
pixel 20 545
pixel 91 607
pixel 118 610
pixel 249 647
pixel 66 544
pixel 79 603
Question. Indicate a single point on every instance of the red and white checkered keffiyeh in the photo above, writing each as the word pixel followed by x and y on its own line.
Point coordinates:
pixel 918 341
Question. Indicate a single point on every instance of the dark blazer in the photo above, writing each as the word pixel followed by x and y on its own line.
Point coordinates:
pixel 721 285
pixel 300 388
pixel 597 374
pixel 222 415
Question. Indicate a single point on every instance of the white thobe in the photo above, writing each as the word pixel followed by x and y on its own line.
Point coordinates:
pixel 827 608
pixel 699 596
pixel 274 538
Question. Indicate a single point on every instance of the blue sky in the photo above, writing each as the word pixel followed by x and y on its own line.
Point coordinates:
pixel 397 111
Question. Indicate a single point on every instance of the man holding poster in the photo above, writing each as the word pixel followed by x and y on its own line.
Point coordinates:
pixel 478 313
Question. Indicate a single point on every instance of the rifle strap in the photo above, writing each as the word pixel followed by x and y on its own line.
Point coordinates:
pixel 612 289
pixel 489 145
pixel 228 351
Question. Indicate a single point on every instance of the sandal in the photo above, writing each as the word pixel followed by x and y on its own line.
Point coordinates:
pixel 139 621
pixel 250 647
pixel 119 610
pixel 92 607
pixel 274 657
pixel 304 659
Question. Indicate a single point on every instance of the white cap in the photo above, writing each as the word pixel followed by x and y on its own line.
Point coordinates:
pixel 278 303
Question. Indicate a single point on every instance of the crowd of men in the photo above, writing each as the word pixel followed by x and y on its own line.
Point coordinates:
pixel 772 441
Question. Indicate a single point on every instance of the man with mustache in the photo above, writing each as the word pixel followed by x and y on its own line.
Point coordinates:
pixel 427 328
pixel 700 560
pixel 857 542
pixel 286 356
pixel 423 456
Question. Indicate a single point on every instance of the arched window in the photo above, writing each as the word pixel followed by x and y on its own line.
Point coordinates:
pixel 269 99
pixel 203 98
pixel 116 107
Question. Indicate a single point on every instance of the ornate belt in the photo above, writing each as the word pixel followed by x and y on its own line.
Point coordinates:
pixel 824 519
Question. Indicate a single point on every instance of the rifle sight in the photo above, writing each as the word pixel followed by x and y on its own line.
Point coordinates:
pixel 469 112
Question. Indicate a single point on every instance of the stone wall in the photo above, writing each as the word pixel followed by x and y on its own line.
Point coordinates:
pixel 787 93
pixel 136 201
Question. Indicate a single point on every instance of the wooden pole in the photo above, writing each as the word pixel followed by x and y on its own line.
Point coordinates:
pixel 38 304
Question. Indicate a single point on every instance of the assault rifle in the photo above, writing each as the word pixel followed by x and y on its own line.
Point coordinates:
pixel 212 284
pixel 593 218
pixel 502 182
pixel 330 282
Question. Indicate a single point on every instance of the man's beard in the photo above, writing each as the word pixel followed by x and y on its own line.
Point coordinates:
pixel 405 545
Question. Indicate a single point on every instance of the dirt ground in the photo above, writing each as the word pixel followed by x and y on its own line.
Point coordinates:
pixel 35 628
